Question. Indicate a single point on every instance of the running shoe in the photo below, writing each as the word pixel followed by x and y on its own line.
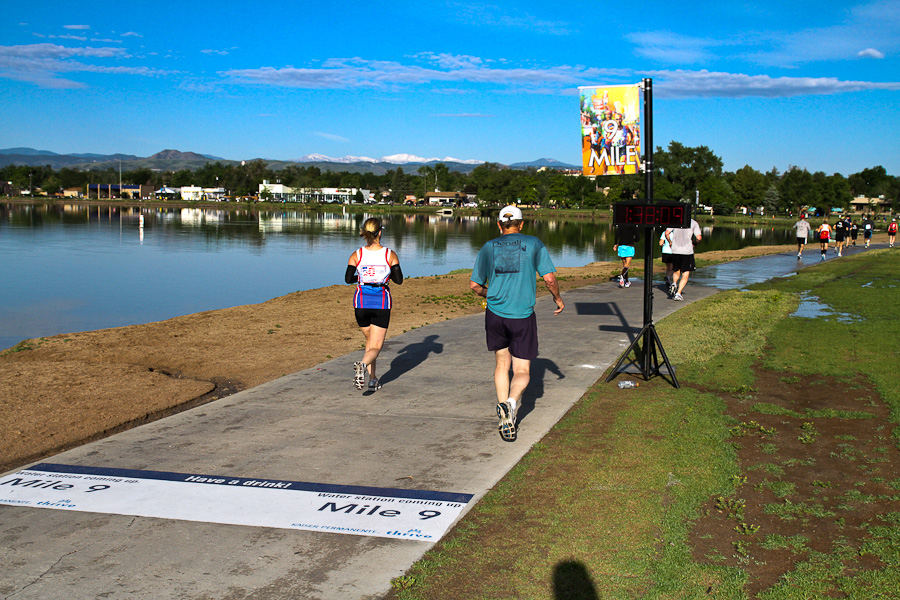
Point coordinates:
pixel 672 289
pixel 360 375
pixel 621 281
pixel 678 297
pixel 374 385
pixel 507 416
pixel 627 284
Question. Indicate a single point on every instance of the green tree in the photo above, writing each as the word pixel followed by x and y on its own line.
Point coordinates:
pixel 684 169
pixel 796 190
pixel 870 183
pixel 749 187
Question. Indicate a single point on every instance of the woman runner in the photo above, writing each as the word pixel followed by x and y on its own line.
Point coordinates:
pixel 370 268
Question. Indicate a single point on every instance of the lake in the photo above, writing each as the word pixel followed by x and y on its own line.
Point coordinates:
pixel 67 268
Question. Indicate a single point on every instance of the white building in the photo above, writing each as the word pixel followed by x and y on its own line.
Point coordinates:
pixel 194 193
pixel 282 193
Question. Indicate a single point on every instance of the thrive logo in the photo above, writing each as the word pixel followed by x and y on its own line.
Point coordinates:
pixel 412 533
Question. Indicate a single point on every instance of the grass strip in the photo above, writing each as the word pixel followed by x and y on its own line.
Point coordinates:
pixel 603 506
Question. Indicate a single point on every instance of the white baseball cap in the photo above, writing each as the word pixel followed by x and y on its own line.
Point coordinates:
pixel 510 213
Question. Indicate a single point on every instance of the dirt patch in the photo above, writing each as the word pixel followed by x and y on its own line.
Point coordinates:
pixel 816 460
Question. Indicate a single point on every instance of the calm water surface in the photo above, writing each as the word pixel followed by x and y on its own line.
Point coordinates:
pixel 78 268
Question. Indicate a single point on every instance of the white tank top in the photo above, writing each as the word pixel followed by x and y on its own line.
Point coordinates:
pixel 372 266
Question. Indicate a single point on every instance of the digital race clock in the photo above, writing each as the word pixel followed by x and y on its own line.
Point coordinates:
pixel 652 214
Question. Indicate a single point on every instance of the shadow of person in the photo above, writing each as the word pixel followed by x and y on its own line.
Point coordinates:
pixel 539 369
pixel 411 356
pixel 571 581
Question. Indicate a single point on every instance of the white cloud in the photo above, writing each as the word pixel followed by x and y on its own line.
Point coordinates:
pixel 673 48
pixel 79 38
pixel 331 136
pixel 76 26
pixel 42 64
pixel 505 17
pixel 131 34
pixel 709 84
pixel 347 73
pixel 870 53
pixel 219 52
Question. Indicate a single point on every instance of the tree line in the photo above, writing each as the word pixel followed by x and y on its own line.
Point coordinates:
pixel 681 173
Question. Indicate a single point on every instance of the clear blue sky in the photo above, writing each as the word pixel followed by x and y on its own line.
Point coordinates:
pixel 814 84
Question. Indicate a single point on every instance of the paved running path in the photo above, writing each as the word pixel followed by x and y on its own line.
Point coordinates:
pixel 432 427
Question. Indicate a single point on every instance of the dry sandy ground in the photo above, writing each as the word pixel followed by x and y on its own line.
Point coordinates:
pixel 62 391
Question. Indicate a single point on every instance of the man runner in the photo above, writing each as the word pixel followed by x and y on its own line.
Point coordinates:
pixel 504 273
pixel 803 228
pixel 868 227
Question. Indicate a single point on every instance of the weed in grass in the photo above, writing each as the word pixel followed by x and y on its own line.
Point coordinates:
pixel 768 448
pixel 774 541
pixel 808 433
pixel 781 489
pixel 746 528
pixel 404 582
pixel 769 468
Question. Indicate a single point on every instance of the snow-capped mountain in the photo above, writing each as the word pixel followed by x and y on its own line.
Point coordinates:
pixel 396 159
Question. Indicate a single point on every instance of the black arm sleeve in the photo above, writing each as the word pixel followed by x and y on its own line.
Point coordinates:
pixel 350 274
pixel 396 274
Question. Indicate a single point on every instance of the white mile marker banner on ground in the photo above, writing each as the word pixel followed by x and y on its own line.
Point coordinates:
pixel 356 510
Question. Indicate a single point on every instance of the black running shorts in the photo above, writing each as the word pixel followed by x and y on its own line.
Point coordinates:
pixel 379 317
pixel 519 335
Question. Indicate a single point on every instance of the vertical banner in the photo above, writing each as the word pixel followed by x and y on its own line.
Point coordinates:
pixel 611 129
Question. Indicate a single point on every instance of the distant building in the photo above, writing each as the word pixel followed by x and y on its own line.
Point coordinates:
pixel 439 198
pixel 194 193
pixel 861 205
pixel 73 192
pixel 282 193
pixel 114 190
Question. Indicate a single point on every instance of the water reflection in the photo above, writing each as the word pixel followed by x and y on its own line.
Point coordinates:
pixel 76 267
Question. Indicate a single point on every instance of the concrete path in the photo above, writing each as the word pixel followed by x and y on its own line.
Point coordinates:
pixel 432 427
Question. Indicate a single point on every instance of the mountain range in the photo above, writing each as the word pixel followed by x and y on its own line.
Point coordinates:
pixel 174 160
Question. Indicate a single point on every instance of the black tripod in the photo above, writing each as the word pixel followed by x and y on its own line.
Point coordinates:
pixel 646 344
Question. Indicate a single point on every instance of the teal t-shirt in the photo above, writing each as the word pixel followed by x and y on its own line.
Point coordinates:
pixel 507 266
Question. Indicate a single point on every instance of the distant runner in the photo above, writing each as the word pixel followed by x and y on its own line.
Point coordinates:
pixel 892 232
pixel 854 232
pixel 839 230
pixel 867 227
pixel 627 237
pixel 824 233
pixel 803 228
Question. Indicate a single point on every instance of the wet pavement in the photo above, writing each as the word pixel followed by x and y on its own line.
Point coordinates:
pixel 740 274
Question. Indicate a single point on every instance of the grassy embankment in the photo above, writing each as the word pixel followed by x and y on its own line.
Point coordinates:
pixel 773 472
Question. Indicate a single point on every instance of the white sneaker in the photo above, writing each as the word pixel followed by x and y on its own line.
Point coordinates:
pixel 507 416
pixel 360 375
pixel 677 296
pixel 627 284
pixel 621 281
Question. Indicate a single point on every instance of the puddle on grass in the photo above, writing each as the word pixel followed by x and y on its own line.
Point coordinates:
pixel 811 308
